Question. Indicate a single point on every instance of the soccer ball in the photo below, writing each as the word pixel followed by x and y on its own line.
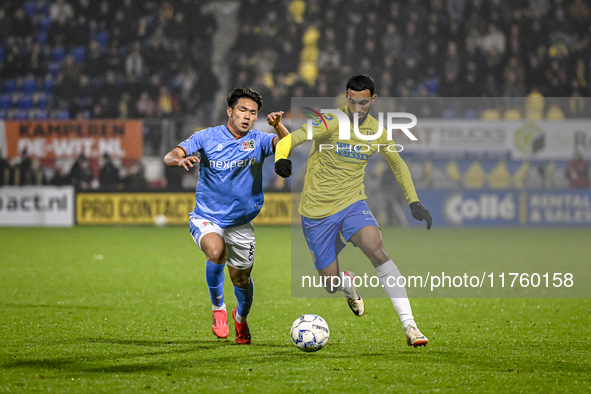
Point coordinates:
pixel 310 333
pixel 160 220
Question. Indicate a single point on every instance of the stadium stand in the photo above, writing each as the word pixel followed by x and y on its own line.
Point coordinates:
pixel 80 59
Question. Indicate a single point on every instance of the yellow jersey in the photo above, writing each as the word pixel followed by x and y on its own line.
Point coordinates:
pixel 334 178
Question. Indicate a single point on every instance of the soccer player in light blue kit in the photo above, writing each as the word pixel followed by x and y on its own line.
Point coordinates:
pixel 229 196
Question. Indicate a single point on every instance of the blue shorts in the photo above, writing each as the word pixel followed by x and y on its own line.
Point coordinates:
pixel 324 235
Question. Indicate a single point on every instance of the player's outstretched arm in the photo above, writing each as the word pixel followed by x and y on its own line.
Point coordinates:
pixel 274 119
pixel 176 158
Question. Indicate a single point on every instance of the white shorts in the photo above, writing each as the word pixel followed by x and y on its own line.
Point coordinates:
pixel 239 240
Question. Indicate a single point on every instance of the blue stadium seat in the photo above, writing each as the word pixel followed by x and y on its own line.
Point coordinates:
pixel 9 86
pixel 42 100
pixel 79 53
pixel 1 54
pixel 44 23
pixel 42 114
pixel 48 84
pixel 471 114
pixel 54 68
pixel 25 101
pixel 58 54
pixel 62 114
pixel 29 85
pixel 449 113
pixel 30 8
pixel 41 38
pixel 5 101
pixel 102 38
pixel 21 114
pixel 3 114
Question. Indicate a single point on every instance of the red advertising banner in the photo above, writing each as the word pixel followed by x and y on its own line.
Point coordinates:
pixel 59 139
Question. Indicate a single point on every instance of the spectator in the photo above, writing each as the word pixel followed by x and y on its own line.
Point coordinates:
pixel 145 106
pixel 34 175
pixel 495 38
pixel 168 104
pixel 134 63
pixel 96 60
pixel 109 178
pixel 134 179
pixel 60 8
pixel 60 177
pixel 125 107
pixel 81 174
pixel 4 170
pixel 577 172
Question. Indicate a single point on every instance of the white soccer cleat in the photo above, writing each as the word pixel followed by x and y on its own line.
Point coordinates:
pixel 355 301
pixel 414 337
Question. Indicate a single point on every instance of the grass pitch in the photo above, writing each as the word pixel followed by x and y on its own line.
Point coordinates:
pixel 126 309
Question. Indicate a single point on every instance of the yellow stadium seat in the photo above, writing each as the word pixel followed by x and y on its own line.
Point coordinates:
pixel 309 72
pixel 499 177
pixel 309 54
pixel 535 102
pixel 555 113
pixel 534 114
pixel 474 177
pixel 311 36
pixel 490 114
pixel 512 114
pixel 297 8
pixel 268 80
pixel 453 171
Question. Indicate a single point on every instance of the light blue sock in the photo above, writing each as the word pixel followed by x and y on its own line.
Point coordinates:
pixel 214 275
pixel 244 298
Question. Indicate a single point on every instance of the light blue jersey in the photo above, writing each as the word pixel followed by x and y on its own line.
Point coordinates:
pixel 230 187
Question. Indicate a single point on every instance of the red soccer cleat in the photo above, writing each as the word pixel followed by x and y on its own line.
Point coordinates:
pixel 242 331
pixel 219 324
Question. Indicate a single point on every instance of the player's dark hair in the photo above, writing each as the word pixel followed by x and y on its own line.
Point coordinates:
pixel 361 82
pixel 239 93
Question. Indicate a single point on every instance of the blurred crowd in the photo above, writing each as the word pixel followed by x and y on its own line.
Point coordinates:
pixel 104 59
pixel 68 59
pixel 85 174
pixel 130 58
pixel 416 48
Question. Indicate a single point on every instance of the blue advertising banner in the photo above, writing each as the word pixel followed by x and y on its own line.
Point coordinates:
pixel 506 208
pixel 565 208
pixel 470 208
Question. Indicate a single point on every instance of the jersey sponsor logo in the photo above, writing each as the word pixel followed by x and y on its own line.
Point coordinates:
pixel 351 152
pixel 230 165
pixel 220 147
pixel 248 146
pixel 318 117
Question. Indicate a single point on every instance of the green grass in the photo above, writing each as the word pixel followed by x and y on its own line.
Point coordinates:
pixel 126 309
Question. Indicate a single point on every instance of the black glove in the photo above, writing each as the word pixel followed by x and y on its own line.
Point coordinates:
pixel 421 213
pixel 283 167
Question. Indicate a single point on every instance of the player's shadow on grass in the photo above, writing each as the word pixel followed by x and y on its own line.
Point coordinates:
pixel 116 356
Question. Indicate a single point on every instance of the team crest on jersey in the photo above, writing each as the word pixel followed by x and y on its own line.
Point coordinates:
pixel 205 223
pixel 247 146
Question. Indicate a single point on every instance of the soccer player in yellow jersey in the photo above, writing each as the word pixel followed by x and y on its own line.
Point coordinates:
pixel 333 200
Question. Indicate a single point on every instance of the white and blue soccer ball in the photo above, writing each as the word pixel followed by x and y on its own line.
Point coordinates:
pixel 310 333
